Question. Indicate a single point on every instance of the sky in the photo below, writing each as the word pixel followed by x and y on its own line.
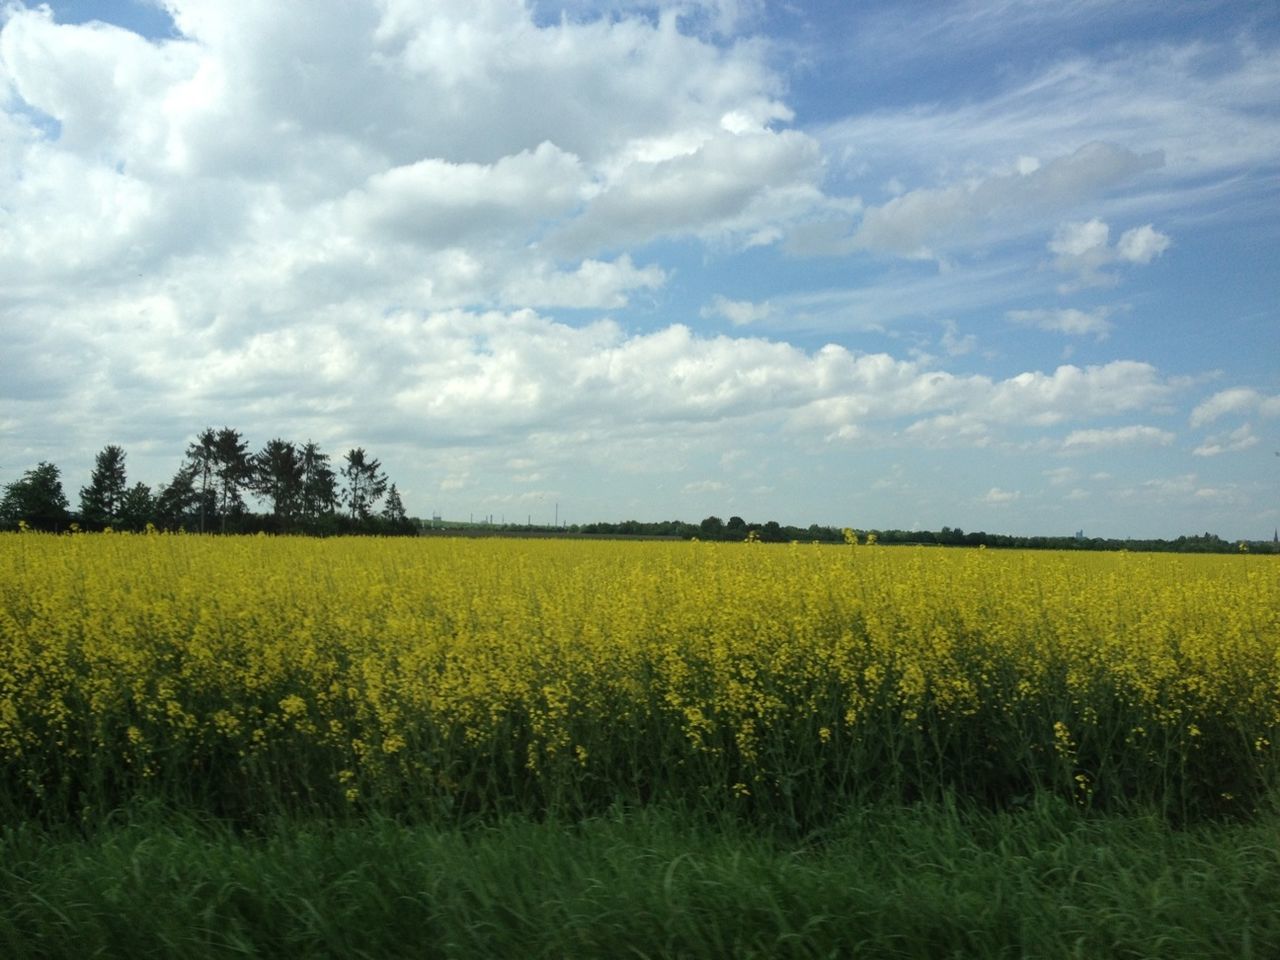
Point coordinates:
pixel 1002 265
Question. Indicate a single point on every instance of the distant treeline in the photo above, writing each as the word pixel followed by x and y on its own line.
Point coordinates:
pixel 302 490
pixel 735 528
pixel 305 493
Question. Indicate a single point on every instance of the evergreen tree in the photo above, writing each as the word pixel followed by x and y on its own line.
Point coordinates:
pixel 319 485
pixel 100 501
pixel 202 456
pixel 393 511
pixel 137 507
pixel 366 483
pixel 233 469
pixel 278 477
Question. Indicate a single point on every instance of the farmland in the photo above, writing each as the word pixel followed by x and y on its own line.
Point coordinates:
pixel 770 693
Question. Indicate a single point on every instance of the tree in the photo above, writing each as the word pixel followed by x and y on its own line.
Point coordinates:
pixel 393 511
pixel 319 485
pixel 202 455
pixel 176 500
pixel 712 526
pixel 278 477
pixel 137 507
pixel 100 501
pixel 36 498
pixel 233 469
pixel 365 483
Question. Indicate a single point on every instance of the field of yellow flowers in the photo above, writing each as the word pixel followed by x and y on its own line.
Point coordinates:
pixel 456 677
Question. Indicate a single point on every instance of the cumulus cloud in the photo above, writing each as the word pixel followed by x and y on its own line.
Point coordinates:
pixel 446 231
pixel 435 202
pixel 1084 249
pixel 732 184
pixel 594 283
pixel 369 140
pixel 1241 438
pixel 1142 244
pixel 1234 400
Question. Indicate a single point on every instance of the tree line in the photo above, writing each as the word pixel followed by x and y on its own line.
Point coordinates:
pixel 736 528
pixel 302 489
pixel 305 492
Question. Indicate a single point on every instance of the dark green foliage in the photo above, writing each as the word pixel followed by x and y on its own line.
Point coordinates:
pixel 366 483
pixel 137 508
pixel 36 499
pixel 177 500
pixel 102 500
pixel 897 882
pixel 278 477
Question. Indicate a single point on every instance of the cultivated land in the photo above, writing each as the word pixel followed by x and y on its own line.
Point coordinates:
pixel 277 746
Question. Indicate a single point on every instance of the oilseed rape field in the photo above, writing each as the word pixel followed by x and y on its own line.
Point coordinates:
pixel 454 678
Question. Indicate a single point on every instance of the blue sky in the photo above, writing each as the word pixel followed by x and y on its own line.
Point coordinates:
pixel 1005 265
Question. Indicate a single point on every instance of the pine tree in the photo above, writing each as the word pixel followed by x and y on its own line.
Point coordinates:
pixel 366 483
pixel 393 510
pixel 278 477
pixel 101 500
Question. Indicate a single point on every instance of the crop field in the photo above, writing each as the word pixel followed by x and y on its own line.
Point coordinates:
pixel 452 679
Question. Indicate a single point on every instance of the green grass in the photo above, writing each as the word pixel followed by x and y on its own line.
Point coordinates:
pixel 928 881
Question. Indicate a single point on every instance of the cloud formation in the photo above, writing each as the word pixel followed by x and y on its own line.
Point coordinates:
pixel 1105 437
pixel 1234 400
pixel 1084 249
pixel 1070 321
pixel 523 248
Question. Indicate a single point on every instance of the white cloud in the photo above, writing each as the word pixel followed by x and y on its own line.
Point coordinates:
pixel 740 313
pixel 1241 438
pixel 729 185
pixel 950 430
pixel 1142 244
pixel 1235 400
pixel 436 202
pixel 1108 437
pixel 595 283
pixel 927 222
pixel 1069 321
pixel 997 496
pixel 1072 392
pixel 359 146
pixel 341 220
pixel 1078 240
pixel 1084 249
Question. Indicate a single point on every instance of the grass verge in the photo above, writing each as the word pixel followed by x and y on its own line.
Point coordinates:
pixel 929 881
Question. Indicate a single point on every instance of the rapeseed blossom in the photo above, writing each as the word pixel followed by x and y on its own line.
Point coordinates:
pixel 456 675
